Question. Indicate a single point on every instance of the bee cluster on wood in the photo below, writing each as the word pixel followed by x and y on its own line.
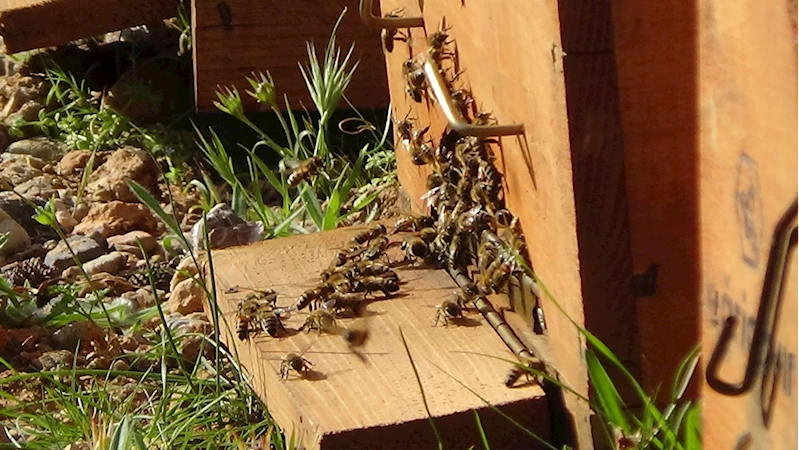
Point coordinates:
pixel 472 231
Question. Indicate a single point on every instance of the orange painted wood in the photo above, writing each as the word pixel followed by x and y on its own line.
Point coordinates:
pixel 376 404
pixel 510 54
pixel 747 107
pixel 32 24
pixel 271 35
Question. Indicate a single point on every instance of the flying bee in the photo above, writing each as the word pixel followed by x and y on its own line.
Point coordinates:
pixel 415 80
pixel 356 334
pixel 295 362
pixel 388 36
pixel 415 248
pixel 374 284
pixel 301 170
pixel 369 234
pixel 413 222
pixel 448 310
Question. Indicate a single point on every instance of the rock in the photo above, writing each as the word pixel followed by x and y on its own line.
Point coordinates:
pixel 81 211
pixel 109 182
pixel 5 138
pixel 17 171
pixel 194 323
pixel 43 148
pixel 192 346
pixel 36 163
pixel 118 218
pixel 18 238
pixel 100 239
pixel 42 186
pixel 71 273
pixel 183 271
pixel 85 248
pixel 186 298
pixel 132 238
pixel 226 229
pixel 143 297
pixel 116 285
pixel 28 112
pixel 111 263
pixel 133 250
pixel 17 90
pixel 66 220
pixel 23 214
pixel 86 332
pixel 74 162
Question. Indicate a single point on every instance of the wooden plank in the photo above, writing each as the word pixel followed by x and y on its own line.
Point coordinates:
pixel 655 47
pixel 271 35
pixel 597 148
pixel 748 139
pixel 510 54
pixel 31 24
pixel 377 404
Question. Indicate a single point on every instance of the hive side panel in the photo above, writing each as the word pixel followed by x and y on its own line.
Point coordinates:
pixel 27 25
pixel 748 116
pixel 234 38
pixel 655 45
pixel 510 58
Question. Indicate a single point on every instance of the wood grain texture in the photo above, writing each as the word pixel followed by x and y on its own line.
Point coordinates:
pixel 512 64
pixel 655 46
pixel 271 35
pixel 27 24
pixel 748 140
pixel 597 147
pixel 350 404
pixel 600 191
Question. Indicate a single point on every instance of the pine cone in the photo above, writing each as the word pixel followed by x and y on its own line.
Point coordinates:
pixel 32 270
pixel 162 275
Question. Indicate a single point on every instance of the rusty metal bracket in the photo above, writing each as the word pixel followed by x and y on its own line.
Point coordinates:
pixel 435 81
pixel 390 23
pixel 783 242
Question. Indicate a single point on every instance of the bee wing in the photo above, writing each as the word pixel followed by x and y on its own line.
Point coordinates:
pixel 288 165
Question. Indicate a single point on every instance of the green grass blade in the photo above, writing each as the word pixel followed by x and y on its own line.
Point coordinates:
pixel 421 389
pixel 483 437
pixel 608 398
pixel 684 373
pixel 693 429
pixel 148 199
pixel 312 206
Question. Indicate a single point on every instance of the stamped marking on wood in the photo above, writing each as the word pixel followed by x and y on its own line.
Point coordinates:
pixel 749 207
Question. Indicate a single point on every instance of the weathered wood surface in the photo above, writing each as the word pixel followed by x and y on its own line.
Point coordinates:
pixel 655 47
pixel 600 189
pixel 234 38
pixel 377 404
pixel 747 107
pixel 511 57
pixel 32 24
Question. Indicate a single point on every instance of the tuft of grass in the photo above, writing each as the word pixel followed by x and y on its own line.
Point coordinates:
pixel 421 390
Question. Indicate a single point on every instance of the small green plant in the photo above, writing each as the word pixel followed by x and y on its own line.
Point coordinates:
pixel 318 204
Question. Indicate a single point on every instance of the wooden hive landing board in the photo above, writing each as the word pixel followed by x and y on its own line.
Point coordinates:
pixel 346 403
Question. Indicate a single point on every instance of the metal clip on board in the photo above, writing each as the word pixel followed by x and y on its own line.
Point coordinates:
pixel 456 121
pixel 389 23
pixel 761 351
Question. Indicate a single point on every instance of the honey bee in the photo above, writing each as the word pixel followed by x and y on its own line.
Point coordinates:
pixel 295 362
pixel 356 334
pixel 448 310
pixel 374 284
pixel 436 43
pixel 514 374
pixel 415 80
pixel 412 223
pixel 415 248
pixel 321 319
pixel 271 322
pixel 353 301
pixel 414 143
pixel 374 268
pixel 428 234
pixel 523 368
pixel 376 248
pixel 388 36
pixel 367 235
pixel 497 274
pixel 318 294
pixel 243 327
pixel 462 100
pixel 301 170
pixel 257 313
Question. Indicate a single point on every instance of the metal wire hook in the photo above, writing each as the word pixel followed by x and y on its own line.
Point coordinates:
pixel 783 242
pixel 390 23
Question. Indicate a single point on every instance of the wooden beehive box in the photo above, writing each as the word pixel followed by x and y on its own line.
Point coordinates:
pixel 709 106
pixel 32 24
pixel 234 38
pixel 376 403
